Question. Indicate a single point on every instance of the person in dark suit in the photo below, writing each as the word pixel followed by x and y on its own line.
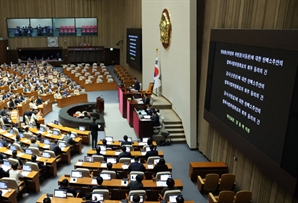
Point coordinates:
pixel 2 172
pixel 98 149
pixel 146 99
pixel 47 200
pixel 14 156
pixel 94 132
pixel 160 166
pixel 152 152
pixel 170 184
pixel 65 185
pixel 179 199
pixel 124 153
pixel 99 184
pixel 136 85
pixel 136 198
pixel 55 148
pixel 88 197
pixel 155 119
pixel 39 101
pixel 3 112
pixel 136 185
pixel 43 169
pixel 125 142
pixel 136 166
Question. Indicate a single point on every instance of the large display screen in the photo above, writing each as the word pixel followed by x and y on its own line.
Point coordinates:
pixel 134 48
pixel 251 98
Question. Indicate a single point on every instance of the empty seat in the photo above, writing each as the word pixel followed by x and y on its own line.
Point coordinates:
pixel 209 183
pixel 243 196
pixel 223 197
pixel 226 182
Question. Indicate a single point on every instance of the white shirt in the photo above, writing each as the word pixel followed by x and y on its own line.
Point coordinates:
pixel 32 105
pixel 16 174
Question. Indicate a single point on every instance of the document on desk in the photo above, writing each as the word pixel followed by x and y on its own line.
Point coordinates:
pixel 8 152
pixel 4 192
pixel 150 166
pixel 117 153
pixel 8 134
pixel 48 135
pixel 37 158
pixel 143 153
pixel 26 141
pixel 79 163
pixel 46 146
pixel 25 173
pixel 2 131
pixel 103 165
pixel 161 183
pixel 142 143
pixel 125 166
pixel 20 154
pixel 94 181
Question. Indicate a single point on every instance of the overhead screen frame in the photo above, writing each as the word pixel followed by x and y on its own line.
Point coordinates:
pixel 283 40
pixel 137 64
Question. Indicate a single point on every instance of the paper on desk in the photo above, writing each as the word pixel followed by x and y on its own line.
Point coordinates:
pixel 109 143
pixel 8 152
pixel 125 166
pixel 142 143
pixel 79 163
pixel 94 182
pixel 150 166
pixel 37 158
pixel 1 130
pixel 117 153
pixel 7 134
pixel 4 192
pixel 25 173
pixel 103 152
pixel 26 141
pixel 103 165
pixel 5 168
pixel 46 146
pixel 20 154
pixel 161 183
pixel 39 132
pixel 143 153
pixel 48 135
pixel 124 184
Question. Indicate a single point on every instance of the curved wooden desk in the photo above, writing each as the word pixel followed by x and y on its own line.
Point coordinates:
pixel 101 86
pixel 72 100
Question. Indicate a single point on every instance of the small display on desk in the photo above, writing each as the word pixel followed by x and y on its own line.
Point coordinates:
pixel 109 138
pixel 11 131
pixel 106 176
pixel 1 145
pixel 21 135
pixel 41 129
pixel 141 198
pixel 4 127
pixel 56 122
pixel 27 167
pixel 145 139
pixel 60 193
pixel 3 185
pixel 112 160
pixel 165 177
pixel 82 128
pixel 172 198
pixel 12 147
pixel 155 161
pixel 102 147
pixel 97 197
pixel 28 151
pixel 46 141
pixel 88 159
pixel 62 145
pixel 133 176
pixel 46 155
pixel 56 132
pixel 76 174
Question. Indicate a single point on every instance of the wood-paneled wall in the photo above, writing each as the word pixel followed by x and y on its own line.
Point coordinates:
pixel 255 14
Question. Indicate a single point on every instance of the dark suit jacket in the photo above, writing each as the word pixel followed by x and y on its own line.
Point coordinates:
pixel 99 187
pixel 55 148
pixel 135 185
pixel 94 128
pixel 39 102
pixel 160 168
pixel 125 143
pixel 124 154
pixel 3 173
pixel 137 85
pixel 151 153
pixel 70 190
pixel 136 167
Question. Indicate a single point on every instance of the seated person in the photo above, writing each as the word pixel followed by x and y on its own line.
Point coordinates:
pixel 88 197
pixel 40 138
pixel 170 184
pixel 155 118
pixel 6 119
pixel 18 141
pixel 152 152
pixel 11 103
pixel 33 142
pixel 146 99
pixel 68 139
pixel 98 149
pixel 55 148
pixel 99 184
pixel 108 147
pixel 41 166
pixel 136 166
pixel 86 116
pixel 39 101
pixel 125 142
pixel 47 200
pixel 110 168
pixel 65 185
pixel 160 166
pixel 32 105
pixel 136 185
pixel 123 154
pixel 136 198
pixel 179 199
pixel 17 174
pixel 14 156
pixel 2 172
pixel 57 95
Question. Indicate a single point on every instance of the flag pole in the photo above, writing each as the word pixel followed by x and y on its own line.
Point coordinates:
pixel 154 80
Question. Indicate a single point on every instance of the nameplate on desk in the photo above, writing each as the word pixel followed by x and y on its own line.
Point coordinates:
pixel 37 158
pixel 46 146
pixel 73 180
pixel 103 165
pixel 150 166
pixel 143 153
pixel 94 181
pixel 79 163
pixel 117 153
pixel 48 135
pixel 161 183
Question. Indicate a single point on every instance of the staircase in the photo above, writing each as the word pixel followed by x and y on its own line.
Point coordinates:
pixel 175 128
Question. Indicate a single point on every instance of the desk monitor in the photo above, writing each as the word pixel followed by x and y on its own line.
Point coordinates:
pixel 165 177
pixel 141 198
pixel 28 151
pixel 12 147
pixel 129 139
pixel 56 122
pixel 106 176
pixel 41 129
pixel 76 174
pixel 82 128
pixel 155 161
pixel 127 149
pixel 3 185
pixel 145 139
pixel 73 135
pixel 27 167
pixel 1 145
pixel 4 127
pixel 60 193
pixel 56 132
pixel 21 135
pixel 88 159
pixel 61 144
pixel 46 141
pixel 46 155
pixel 172 198
pixel 97 197
pixel 102 147
pixel 11 131
pixel 6 163
pixel 133 160
pixel 109 138
pixel 133 176
pixel 148 149
pixel 112 160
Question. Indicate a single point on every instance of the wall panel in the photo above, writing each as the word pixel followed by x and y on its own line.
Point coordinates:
pixel 253 14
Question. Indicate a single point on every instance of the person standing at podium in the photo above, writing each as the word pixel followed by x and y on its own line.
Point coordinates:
pixel 136 85
pixel 94 132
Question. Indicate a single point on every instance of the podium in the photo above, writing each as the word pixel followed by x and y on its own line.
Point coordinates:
pixel 143 127
pixel 123 95
pixel 99 105
pixel 131 105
